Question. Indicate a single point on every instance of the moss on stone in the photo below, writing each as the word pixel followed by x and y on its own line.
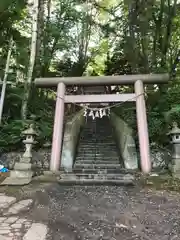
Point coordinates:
pixel 162 182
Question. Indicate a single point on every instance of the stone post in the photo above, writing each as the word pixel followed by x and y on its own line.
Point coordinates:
pixel 175 142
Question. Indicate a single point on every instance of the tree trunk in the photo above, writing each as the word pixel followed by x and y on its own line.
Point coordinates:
pixel 3 90
pixel 28 82
pixel 40 38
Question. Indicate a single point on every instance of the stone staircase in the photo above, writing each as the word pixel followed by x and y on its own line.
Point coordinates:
pixel 98 160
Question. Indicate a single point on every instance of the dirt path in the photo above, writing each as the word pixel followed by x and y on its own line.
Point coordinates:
pixel 102 213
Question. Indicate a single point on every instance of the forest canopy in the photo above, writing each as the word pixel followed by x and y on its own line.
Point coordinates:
pixel 97 37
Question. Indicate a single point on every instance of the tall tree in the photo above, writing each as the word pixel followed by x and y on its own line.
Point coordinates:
pixel 6 72
pixel 28 82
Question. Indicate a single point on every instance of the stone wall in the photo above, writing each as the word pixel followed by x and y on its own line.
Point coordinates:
pixel 71 138
pixel 160 158
pixel 8 159
pixel 125 142
pixel 41 158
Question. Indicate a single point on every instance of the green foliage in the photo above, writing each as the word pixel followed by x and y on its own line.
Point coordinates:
pixel 11 130
pixel 10 135
pixel 96 38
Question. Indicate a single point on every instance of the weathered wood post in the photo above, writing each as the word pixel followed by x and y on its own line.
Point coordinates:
pixel 58 128
pixel 142 127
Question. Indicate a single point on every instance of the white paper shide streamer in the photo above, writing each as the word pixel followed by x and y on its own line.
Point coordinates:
pixel 96 113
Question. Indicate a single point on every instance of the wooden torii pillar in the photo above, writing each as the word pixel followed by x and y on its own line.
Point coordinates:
pixel 138 96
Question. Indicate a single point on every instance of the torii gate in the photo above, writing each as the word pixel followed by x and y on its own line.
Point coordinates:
pixel 138 96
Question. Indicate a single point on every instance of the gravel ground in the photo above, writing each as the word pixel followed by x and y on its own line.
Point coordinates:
pixel 107 213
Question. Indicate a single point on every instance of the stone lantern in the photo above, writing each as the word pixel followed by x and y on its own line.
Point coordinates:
pixel 22 173
pixel 25 161
pixel 30 134
pixel 175 141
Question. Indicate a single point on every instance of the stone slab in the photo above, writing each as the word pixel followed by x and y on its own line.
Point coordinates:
pixel 21 174
pixel 11 220
pixel 17 208
pixel 6 201
pixel 16 181
pixel 2 219
pixel 57 173
pixel 16 225
pixel 38 231
pixel 46 178
pixel 5 237
pixel 4 231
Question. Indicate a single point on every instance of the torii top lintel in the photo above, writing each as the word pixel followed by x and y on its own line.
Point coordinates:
pixel 103 80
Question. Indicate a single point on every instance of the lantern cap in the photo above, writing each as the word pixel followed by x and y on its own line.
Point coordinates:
pixel 30 131
pixel 47 144
pixel 175 129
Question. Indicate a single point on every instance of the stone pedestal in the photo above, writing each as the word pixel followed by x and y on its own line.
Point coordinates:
pixel 22 166
pixel 174 165
pixel 175 162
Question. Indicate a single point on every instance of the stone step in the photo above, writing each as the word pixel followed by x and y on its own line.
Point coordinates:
pixel 99 138
pixel 98 162
pixel 97 126
pixel 94 150
pixel 97 153
pixel 97 176
pixel 96 157
pixel 101 124
pixel 97 181
pixel 91 166
pixel 98 129
pixel 98 141
pixel 103 132
pixel 95 135
pixel 97 146
pixel 101 170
